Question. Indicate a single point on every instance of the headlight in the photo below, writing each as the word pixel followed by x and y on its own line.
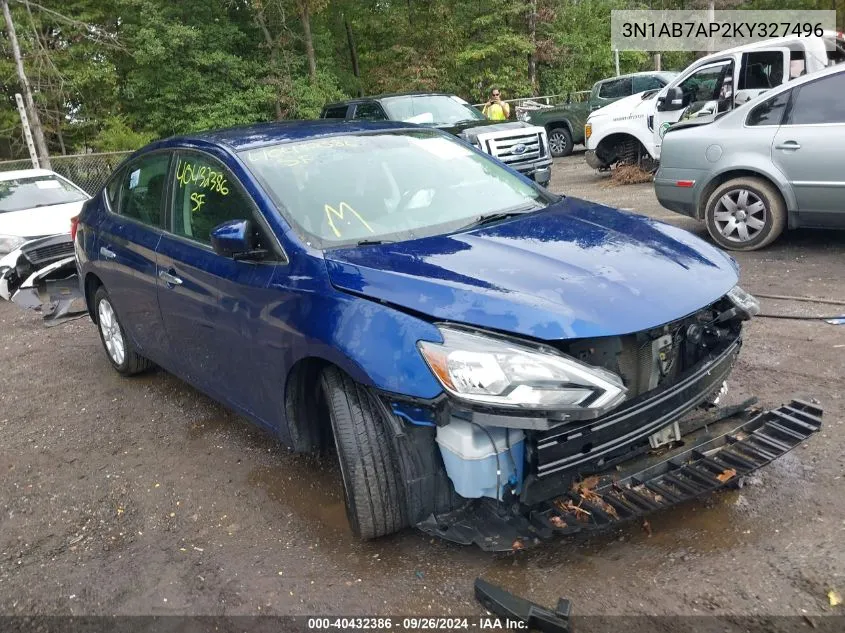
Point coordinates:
pixel 497 371
pixel 744 302
pixel 8 243
pixel 588 130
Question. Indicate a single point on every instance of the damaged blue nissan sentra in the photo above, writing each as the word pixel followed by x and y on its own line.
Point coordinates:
pixel 491 362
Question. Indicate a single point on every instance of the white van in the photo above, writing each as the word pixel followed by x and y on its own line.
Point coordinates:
pixel 631 129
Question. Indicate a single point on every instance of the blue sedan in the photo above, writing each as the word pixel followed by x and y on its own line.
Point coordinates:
pixel 464 340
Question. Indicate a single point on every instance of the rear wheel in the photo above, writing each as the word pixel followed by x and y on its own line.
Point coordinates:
pixel 560 142
pixel 745 214
pixel 119 349
pixel 372 487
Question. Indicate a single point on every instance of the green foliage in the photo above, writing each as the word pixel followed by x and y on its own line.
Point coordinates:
pixel 112 74
pixel 115 135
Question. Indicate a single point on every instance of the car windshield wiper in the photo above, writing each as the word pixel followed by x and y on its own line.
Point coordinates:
pixel 372 242
pixel 504 214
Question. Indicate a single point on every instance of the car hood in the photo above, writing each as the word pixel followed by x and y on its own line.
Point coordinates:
pixel 576 269
pixel 40 221
pixel 628 106
pixel 470 130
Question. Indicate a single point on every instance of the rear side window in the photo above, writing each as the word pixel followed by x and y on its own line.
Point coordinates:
pixel 761 70
pixel 142 189
pixel 370 111
pixel 647 82
pixel 615 88
pixel 770 112
pixel 818 102
pixel 335 112
pixel 205 195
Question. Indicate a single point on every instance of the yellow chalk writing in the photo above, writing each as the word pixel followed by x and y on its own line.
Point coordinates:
pixel 201 176
pixel 298 153
pixel 198 199
pixel 340 214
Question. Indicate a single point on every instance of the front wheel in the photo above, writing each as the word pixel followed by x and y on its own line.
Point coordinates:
pixel 372 488
pixel 560 142
pixel 745 214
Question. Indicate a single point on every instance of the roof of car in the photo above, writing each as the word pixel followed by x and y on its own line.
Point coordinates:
pixel 259 134
pixel 389 95
pixel 25 173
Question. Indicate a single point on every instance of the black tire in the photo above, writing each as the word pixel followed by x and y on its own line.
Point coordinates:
pixel 731 207
pixel 375 504
pixel 560 142
pixel 131 362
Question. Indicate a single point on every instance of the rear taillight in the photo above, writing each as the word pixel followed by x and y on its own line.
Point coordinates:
pixel 74 224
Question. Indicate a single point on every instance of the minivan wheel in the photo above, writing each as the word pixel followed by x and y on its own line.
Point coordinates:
pixel 119 350
pixel 372 488
pixel 560 142
pixel 745 214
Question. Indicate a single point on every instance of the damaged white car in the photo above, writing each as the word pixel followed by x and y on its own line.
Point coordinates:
pixel 37 266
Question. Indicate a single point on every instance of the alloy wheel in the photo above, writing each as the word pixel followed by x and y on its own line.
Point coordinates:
pixel 740 215
pixel 110 329
pixel 558 143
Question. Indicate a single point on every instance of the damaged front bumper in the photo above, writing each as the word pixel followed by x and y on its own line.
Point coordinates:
pixel 713 456
pixel 41 275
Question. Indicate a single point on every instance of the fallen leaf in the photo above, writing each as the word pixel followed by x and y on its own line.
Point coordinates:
pixel 558 522
pixel 517 545
pixel 586 484
pixel 834 598
pixel 647 527
pixel 726 475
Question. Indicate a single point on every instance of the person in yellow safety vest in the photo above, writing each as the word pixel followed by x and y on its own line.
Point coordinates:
pixel 495 109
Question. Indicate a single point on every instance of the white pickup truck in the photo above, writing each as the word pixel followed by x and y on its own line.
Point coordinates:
pixel 631 129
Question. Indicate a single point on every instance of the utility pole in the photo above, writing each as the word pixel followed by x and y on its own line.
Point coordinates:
pixel 35 120
pixel 27 133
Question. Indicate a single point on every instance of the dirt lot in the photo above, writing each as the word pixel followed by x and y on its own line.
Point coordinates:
pixel 142 496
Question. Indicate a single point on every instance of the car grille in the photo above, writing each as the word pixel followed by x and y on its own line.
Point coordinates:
pixel 51 252
pixel 515 147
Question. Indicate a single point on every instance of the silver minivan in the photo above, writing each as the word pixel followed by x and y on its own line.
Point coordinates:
pixel 776 162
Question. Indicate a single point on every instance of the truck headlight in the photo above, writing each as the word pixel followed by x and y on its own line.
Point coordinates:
pixel 744 302
pixel 498 371
pixel 8 243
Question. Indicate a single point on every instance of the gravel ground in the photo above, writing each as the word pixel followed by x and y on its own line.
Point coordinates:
pixel 143 496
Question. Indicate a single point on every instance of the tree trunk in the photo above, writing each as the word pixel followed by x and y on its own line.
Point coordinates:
pixel 532 56
pixel 305 15
pixel 658 61
pixel 34 119
pixel 353 54
pixel 274 61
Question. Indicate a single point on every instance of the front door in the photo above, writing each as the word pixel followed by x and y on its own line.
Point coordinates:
pixel 212 306
pixel 705 93
pixel 808 149
pixel 128 237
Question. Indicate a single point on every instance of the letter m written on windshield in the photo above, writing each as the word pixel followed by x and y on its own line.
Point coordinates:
pixel 341 213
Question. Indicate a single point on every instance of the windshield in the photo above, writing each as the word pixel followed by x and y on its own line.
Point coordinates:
pixel 387 186
pixel 37 191
pixel 430 109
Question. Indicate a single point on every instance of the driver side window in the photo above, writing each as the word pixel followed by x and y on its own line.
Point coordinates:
pixel 204 196
pixel 708 91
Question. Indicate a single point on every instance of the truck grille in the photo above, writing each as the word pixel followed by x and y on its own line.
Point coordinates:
pixel 515 147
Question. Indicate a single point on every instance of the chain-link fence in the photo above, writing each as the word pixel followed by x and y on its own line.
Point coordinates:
pixel 89 171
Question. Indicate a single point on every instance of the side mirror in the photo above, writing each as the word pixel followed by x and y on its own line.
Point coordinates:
pixel 672 100
pixel 235 239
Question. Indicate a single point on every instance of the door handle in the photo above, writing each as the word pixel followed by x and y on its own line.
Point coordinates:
pixel 788 145
pixel 169 279
pixel 107 253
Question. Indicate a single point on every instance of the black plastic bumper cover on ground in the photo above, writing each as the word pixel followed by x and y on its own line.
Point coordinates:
pixel 712 464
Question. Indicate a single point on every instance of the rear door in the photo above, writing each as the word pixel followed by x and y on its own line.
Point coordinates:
pixel 809 149
pixel 212 306
pixel 126 248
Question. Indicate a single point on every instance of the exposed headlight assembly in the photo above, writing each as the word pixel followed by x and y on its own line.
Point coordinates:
pixel 745 303
pixel 486 369
pixel 8 243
